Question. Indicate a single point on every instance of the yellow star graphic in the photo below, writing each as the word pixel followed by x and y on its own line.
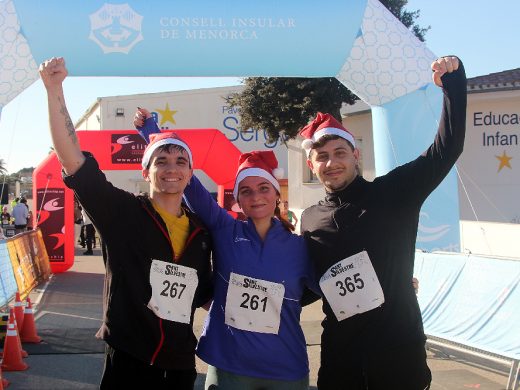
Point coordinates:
pixel 167 115
pixel 504 161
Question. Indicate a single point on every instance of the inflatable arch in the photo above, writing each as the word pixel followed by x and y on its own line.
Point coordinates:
pixel 115 150
pixel 357 41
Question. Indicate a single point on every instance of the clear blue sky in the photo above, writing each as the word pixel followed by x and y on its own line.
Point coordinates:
pixel 478 32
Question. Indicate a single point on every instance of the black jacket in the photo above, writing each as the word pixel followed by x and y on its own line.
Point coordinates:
pixel 134 234
pixel 381 217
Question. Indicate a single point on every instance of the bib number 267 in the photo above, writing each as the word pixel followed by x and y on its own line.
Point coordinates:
pixel 173 290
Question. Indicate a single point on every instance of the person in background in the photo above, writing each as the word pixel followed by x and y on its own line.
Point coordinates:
pixel 5 217
pixel 90 233
pixel 14 202
pixel 373 335
pixel 156 254
pixel 288 214
pixel 20 214
pixel 29 220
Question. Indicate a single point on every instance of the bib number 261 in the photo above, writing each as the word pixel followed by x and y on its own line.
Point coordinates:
pixel 350 284
pixel 253 302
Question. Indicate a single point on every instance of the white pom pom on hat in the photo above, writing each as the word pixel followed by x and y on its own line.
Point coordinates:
pixel 307 144
pixel 278 173
pixel 262 163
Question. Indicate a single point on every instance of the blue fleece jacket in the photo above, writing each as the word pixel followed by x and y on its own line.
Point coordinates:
pixel 280 258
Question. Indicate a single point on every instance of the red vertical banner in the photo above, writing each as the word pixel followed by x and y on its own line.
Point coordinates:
pixel 50 203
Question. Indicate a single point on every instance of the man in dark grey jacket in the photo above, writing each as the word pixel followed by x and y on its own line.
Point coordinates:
pixel 156 252
pixel 362 240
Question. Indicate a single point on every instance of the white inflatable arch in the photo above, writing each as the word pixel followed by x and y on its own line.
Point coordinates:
pixel 357 41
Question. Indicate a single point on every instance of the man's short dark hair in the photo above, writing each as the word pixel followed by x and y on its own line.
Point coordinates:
pixel 168 149
pixel 326 138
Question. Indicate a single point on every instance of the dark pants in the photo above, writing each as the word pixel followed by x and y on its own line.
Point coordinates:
pixel 90 236
pixel 82 236
pixel 20 228
pixel 402 368
pixel 121 369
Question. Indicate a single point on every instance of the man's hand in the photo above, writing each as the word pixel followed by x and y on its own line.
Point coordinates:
pixel 140 116
pixel 443 65
pixel 53 72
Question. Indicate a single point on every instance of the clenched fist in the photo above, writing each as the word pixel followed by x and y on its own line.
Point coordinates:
pixel 53 72
pixel 443 65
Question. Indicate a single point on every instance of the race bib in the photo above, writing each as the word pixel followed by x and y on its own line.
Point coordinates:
pixel 253 304
pixel 351 286
pixel 173 289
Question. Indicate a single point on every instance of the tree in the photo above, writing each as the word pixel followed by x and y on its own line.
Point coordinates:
pixel 281 106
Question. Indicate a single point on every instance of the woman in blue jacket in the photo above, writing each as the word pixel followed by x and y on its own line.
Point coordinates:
pixel 252 337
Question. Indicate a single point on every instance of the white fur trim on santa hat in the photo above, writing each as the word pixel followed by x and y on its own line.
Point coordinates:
pixel 309 142
pixel 333 131
pixel 166 141
pixel 254 172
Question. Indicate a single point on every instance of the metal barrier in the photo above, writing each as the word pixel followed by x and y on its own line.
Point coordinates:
pixel 513 364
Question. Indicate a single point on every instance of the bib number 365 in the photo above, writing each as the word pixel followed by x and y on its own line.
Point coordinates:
pixel 351 286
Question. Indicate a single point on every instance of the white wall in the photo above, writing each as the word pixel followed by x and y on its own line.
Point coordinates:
pixel 91 119
pixel 490 238
pixel 487 193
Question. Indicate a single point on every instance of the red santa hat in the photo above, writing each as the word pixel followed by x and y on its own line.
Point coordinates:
pixel 160 139
pixel 323 124
pixel 262 163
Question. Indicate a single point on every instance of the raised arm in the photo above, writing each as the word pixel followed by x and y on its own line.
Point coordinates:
pixel 205 206
pixel 53 72
pixel 427 171
pixel 449 74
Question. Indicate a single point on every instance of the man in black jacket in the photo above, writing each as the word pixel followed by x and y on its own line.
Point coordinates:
pixel 156 252
pixel 362 240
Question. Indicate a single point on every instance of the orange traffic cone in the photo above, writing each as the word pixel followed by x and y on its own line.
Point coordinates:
pixel 3 382
pixel 28 333
pixel 12 359
pixel 24 352
pixel 18 310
